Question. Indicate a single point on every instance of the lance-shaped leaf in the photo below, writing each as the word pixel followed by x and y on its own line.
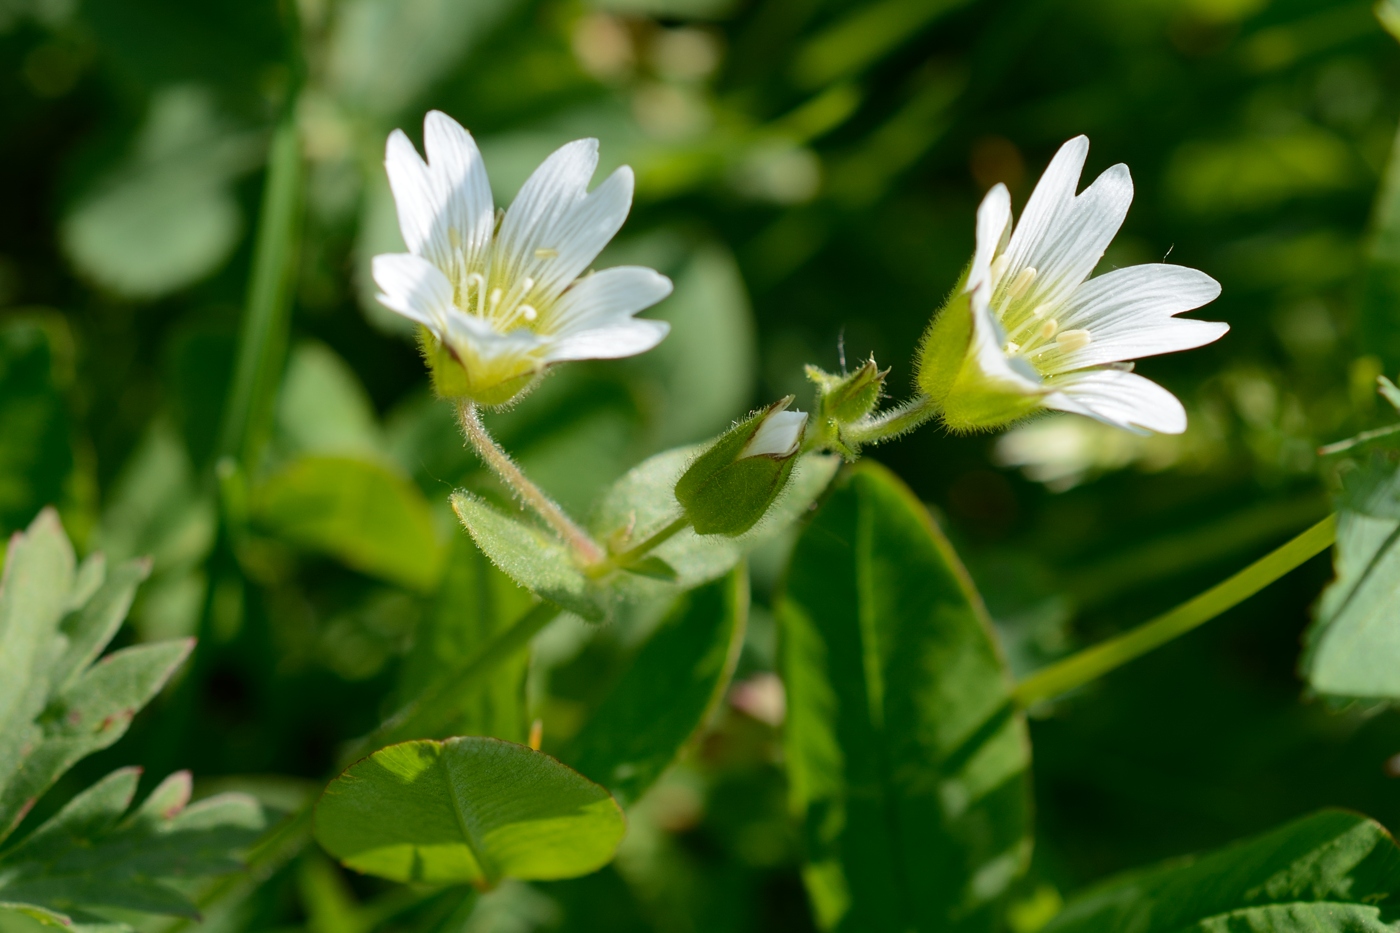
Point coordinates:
pixel 1353 647
pixel 469 809
pixel 906 759
pixel 1329 872
pixel 668 691
pixel 87 856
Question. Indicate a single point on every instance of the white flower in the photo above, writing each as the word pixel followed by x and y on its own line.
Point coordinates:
pixel 502 300
pixel 1045 335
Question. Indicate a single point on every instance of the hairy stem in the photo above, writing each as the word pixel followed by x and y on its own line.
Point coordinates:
pixel 1092 663
pixel 584 547
pixel 661 537
pixel 890 424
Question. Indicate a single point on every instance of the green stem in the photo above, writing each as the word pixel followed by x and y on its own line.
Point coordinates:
pixel 1362 438
pixel 1094 662
pixel 262 340
pixel 631 555
pixel 437 707
pixel 890 424
pixel 584 547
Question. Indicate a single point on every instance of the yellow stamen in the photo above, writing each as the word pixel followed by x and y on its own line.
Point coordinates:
pixel 1074 340
pixel 528 313
pixel 1023 281
pixel 546 252
pixel 998 269
pixel 1047 330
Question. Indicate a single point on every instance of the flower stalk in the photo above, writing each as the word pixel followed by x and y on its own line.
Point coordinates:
pixel 585 549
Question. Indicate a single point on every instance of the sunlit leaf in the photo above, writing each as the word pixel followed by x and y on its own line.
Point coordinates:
pixel 1332 871
pixel 467 809
pixel 907 761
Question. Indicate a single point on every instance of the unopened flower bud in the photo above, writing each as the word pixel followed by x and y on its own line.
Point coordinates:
pixel 844 400
pixel 730 486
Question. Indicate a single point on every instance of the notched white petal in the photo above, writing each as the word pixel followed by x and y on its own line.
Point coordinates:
pixel 605 297
pixel 627 338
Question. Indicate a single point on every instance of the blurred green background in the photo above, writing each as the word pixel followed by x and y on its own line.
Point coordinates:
pixel 807 172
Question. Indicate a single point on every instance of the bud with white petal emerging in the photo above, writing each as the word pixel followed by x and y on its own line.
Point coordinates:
pixel 730 486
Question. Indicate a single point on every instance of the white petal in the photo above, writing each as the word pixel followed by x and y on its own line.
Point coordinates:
pixel 1123 399
pixel 1129 314
pixel 628 338
pixel 467 332
pixel 777 436
pixel 414 197
pixel 1005 374
pixel 1048 203
pixel 554 229
pixel 415 288
pixel 445 205
pixel 993 217
pixel 1066 256
pixel 605 298
pixel 459 180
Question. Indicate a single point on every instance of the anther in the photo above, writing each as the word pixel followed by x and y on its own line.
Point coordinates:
pixel 546 252
pixel 1047 330
pixel 1074 340
pixel 1023 281
pixel 1039 311
pixel 496 294
pixel 1012 348
pixel 528 313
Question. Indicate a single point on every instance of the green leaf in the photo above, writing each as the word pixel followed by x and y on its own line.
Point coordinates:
pixel 1331 871
pixel 323 408
pixel 58 703
pixel 906 759
pixel 1353 642
pixel 643 502
pixel 533 558
pixel 167 217
pixel 467 810
pixel 474 605
pixel 362 513
pixel 88 856
pixel 668 691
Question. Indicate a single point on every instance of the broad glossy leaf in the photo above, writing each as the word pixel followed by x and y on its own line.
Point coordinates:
pixel 906 760
pixel 475 603
pixel 88 856
pixel 362 513
pixel 1331 871
pixel 668 691
pixel 1353 647
pixel 469 809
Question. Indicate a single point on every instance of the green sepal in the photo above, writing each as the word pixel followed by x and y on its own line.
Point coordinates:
pixel 726 494
pixel 452 380
pixel 849 397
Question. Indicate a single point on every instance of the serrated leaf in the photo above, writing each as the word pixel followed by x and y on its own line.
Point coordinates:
pixel 1354 641
pixel 668 691
pixel 362 513
pixel 906 759
pixel 87 716
pixel 467 809
pixel 1331 871
pixel 86 855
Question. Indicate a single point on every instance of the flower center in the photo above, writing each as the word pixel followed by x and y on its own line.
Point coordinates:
pixel 505 305
pixel 1032 330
